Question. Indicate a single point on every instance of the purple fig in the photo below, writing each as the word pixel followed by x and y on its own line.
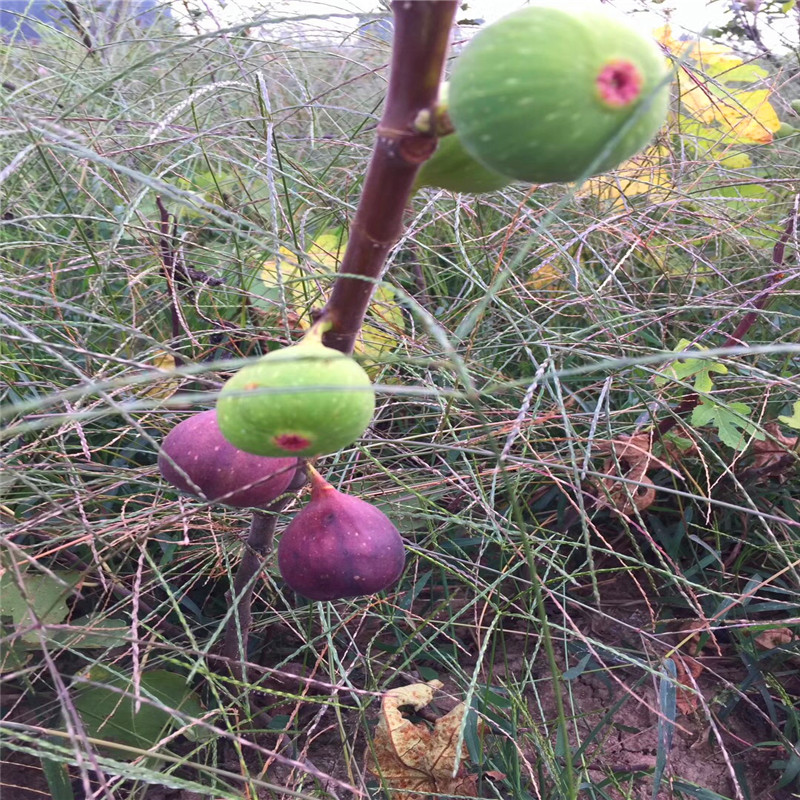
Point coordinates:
pixel 339 546
pixel 196 458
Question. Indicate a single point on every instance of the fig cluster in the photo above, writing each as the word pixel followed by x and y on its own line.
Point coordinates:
pixel 304 400
pixel 557 91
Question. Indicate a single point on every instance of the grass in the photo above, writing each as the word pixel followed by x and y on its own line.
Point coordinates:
pixel 652 646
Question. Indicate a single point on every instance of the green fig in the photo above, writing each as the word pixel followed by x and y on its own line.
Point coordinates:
pixel 304 400
pixel 795 104
pixel 557 91
pixel 785 130
pixel 451 167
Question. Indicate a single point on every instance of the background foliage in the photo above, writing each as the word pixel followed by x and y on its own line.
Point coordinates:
pixel 603 535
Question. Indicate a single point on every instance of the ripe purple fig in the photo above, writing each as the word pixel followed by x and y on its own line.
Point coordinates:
pixel 196 458
pixel 339 546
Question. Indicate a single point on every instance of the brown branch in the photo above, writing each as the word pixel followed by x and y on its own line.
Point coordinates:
pixel 256 550
pixel 421 38
pixel 735 339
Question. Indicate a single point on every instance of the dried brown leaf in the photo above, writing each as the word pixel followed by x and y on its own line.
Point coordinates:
pixel 688 670
pixel 414 760
pixel 775 637
pixel 773 457
pixel 630 458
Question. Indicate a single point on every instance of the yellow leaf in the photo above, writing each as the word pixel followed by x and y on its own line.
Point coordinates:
pixel 664 35
pixel 284 271
pixel 700 103
pixel 414 760
pixel 735 160
pixel 710 54
pixel 327 249
pixel 547 277
pixel 745 115
pixel 648 173
pixel 384 307
pixel 371 344
pixel 161 389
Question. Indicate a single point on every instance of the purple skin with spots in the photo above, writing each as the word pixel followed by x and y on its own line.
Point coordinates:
pixel 217 471
pixel 339 546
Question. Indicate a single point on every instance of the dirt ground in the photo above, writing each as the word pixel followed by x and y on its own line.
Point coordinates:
pixel 622 703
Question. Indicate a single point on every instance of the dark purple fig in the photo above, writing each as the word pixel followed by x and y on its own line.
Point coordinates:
pixel 339 546
pixel 196 458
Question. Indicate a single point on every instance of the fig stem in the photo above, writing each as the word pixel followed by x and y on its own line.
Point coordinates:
pixel 316 331
pixel 256 550
pixel 419 47
pixel 318 483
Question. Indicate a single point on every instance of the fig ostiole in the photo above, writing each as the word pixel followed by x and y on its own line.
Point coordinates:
pixel 196 458
pixel 558 91
pixel 339 546
pixel 304 400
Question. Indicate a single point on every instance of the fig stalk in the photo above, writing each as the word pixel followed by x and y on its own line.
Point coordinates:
pixel 419 47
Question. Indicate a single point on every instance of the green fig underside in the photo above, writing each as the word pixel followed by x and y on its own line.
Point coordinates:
pixel 452 168
pixel 551 93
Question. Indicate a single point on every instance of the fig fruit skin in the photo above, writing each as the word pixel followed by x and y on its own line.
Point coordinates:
pixel 304 400
pixel 339 546
pixel 451 167
pixel 554 92
pixel 221 472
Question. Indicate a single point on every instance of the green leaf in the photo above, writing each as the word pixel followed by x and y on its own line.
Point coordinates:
pixel 788 6
pixel 47 599
pixel 794 420
pixel 667 701
pixel 58 779
pixel 13 656
pixel 109 712
pixel 732 422
pixel 685 368
pixel 91 631
pixel 703 414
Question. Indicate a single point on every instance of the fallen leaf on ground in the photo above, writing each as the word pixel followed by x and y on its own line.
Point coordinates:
pixel 774 456
pixel 413 760
pixel 630 458
pixel 775 637
pixel 688 670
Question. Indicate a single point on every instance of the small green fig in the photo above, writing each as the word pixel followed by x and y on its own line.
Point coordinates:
pixel 451 167
pixel 196 458
pixel 785 130
pixel 339 546
pixel 556 91
pixel 795 104
pixel 304 400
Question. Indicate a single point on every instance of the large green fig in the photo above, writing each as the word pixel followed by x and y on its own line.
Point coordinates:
pixel 451 167
pixel 556 91
pixel 339 546
pixel 304 400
